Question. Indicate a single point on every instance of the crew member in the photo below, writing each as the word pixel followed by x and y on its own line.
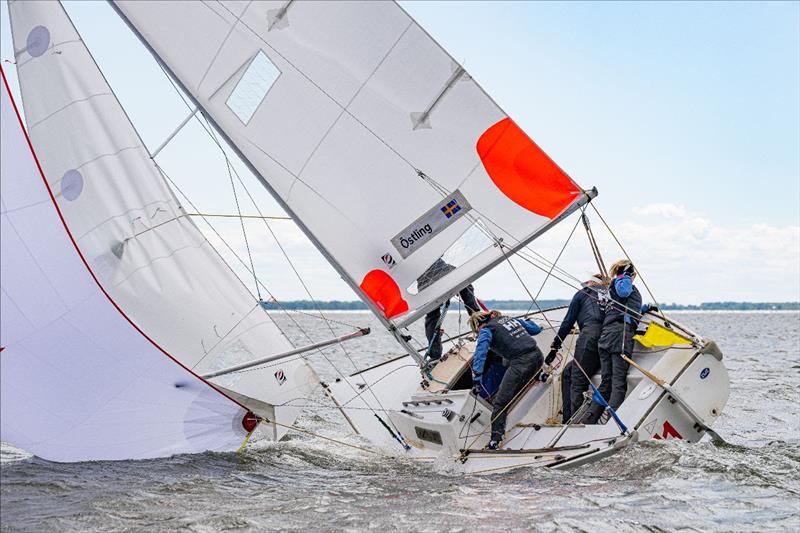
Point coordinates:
pixel 619 326
pixel 586 308
pixel 511 339
pixel 433 330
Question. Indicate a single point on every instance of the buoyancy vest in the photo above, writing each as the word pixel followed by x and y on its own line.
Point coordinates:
pixel 510 340
pixel 618 307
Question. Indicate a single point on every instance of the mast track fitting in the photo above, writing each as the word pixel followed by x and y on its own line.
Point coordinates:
pixel 277 19
pixel 421 119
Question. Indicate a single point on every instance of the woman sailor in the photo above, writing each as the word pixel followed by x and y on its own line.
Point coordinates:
pixel 587 310
pixel 619 327
pixel 510 338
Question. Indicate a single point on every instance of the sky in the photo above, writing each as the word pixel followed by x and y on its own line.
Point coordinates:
pixel 685 116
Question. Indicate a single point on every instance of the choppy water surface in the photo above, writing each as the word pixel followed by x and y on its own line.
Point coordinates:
pixel 307 483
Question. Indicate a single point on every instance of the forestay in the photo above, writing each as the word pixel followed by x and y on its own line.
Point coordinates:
pixel 147 254
pixel 382 147
pixel 78 380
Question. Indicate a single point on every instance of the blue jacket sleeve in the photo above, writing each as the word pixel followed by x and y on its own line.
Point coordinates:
pixel 531 327
pixel 481 350
pixel 569 320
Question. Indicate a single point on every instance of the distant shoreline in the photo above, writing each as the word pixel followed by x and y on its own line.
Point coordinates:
pixel 525 305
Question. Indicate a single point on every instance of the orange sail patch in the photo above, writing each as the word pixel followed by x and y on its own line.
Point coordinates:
pixel 384 291
pixel 524 173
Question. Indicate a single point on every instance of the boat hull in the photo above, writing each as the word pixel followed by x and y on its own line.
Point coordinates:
pixel 452 426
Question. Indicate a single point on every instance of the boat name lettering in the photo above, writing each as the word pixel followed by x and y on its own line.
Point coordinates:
pixel 432 222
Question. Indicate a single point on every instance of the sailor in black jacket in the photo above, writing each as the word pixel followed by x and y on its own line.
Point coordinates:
pixel 619 327
pixel 587 309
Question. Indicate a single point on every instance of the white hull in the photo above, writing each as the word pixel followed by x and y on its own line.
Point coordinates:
pixel 422 416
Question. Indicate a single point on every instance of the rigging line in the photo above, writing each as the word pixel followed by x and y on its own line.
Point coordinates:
pixel 593 243
pixel 244 231
pixel 299 277
pixel 307 432
pixel 320 351
pixel 344 349
pixel 222 338
pixel 210 133
pixel 227 245
pixel 511 402
pixel 628 257
pixel 225 215
pixel 213 137
pixel 593 290
pixel 524 286
pixel 569 238
pixel 484 227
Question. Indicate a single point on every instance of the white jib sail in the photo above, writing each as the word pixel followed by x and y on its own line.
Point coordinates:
pixel 381 146
pixel 78 380
pixel 150 258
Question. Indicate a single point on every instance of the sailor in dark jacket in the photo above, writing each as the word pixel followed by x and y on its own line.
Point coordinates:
pixel 587 309
pixel 510 338
pixel 433 324
pixel 619 327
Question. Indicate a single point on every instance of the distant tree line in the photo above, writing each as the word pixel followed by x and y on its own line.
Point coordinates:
pixel 735 306
pixel 524 305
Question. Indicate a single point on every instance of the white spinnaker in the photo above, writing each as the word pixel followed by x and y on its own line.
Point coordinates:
pixel 339 106
pixel 78 381
pixel 151 258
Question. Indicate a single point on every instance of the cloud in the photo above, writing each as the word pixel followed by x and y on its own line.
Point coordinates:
pixel 688 258
pixel 684 257
pixel 663 209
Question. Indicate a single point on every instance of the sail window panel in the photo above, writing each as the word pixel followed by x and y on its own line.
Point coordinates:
pixel 407 84
pixel 253 86
pixel 470 244
pixel 336 44
pixel 287 124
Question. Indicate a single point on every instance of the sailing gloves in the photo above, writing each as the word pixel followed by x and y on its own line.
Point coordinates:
pixel 476 385
pixel 551 356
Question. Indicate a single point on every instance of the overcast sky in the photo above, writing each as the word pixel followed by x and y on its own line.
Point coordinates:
pixel 685 116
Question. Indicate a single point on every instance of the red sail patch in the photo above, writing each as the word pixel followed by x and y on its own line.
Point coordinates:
pixel 384 291
pixel 524 173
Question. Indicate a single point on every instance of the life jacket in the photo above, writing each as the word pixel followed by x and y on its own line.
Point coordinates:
pixel 509 338
pixel 618 306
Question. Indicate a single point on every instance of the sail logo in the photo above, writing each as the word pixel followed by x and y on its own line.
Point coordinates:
pixel 431 223
pixel 388 260
pixel 281 377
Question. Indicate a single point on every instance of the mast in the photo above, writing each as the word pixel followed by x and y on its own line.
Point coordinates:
pixel 329 122
pixel 319 246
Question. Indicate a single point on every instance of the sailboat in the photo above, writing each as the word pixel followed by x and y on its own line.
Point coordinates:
pixel 399 168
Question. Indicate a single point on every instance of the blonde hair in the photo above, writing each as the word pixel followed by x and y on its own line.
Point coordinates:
pixel 618 267
pixel 481 316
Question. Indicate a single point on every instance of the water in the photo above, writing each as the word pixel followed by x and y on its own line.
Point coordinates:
pixel 306 483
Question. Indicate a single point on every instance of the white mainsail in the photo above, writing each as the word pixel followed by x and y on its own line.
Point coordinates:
pixel 384 150
pixel 149 256
pixel 78 380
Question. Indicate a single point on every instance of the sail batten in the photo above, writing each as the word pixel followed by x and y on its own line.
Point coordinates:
pixel 342 110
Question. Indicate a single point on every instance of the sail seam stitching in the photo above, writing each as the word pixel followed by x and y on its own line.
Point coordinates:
pixel 59 110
